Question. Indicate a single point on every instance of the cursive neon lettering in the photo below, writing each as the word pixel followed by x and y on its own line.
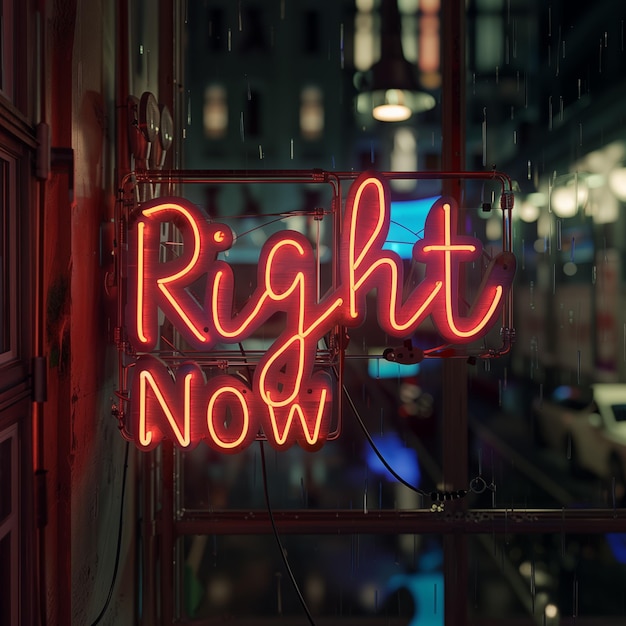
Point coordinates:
pixel 288 398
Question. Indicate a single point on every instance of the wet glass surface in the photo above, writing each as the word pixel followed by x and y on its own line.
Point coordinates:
pixel 544 93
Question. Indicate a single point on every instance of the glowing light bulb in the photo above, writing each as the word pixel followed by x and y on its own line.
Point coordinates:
pixel 391 113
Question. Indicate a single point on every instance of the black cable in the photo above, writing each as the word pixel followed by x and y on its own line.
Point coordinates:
pixel 119 541
pixel 277 537
pixel 374 447
pixel 436 495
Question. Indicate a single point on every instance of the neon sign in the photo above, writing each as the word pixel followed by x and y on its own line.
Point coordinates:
pixel 288 398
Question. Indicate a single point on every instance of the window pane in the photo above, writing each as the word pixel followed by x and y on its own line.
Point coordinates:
pixel 6 575
pixel 311 113
pixel 392 577
pixel 5 265
pixel 7 57
pixel 6 478
pixel 544 95
pixel 215 112
pixel 7 286
pixel 553 577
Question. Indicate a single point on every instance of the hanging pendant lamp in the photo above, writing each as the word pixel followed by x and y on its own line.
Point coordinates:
pixel 390 89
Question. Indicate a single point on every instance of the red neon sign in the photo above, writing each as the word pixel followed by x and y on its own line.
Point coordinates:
pixel 288 399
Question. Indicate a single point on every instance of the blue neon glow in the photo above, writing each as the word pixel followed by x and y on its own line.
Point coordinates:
pixel 403 460
pixel 407 224
pixel 617 543
pixel 426 589
pixel 381 368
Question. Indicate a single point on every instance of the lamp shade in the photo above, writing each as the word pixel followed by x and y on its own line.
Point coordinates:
pixel 391 89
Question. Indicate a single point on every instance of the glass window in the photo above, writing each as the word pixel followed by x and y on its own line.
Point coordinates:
pixel 215 113
pixel 7 57
pixel 6 463
pixel 216 40
pixel 311 32
pixel 619 411
pixel 344 577
pixel 9 527
pixel 8 286
pixel 311 113
pixel 6 606
pixel 253 31
pixel 537 536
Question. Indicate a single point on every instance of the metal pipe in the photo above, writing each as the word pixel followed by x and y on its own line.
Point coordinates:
pixel 311 175
pixel 455 427
pixel 506 522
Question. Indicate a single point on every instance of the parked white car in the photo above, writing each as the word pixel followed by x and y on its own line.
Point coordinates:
pixel 588 427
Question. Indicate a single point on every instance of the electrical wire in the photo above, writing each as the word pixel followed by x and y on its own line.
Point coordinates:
pixel 436 495
pixel 277 537
pixel 119 541
pixel 374 447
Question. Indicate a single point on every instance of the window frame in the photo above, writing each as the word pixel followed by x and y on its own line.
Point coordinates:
pixel 9 234
pixel 10 526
